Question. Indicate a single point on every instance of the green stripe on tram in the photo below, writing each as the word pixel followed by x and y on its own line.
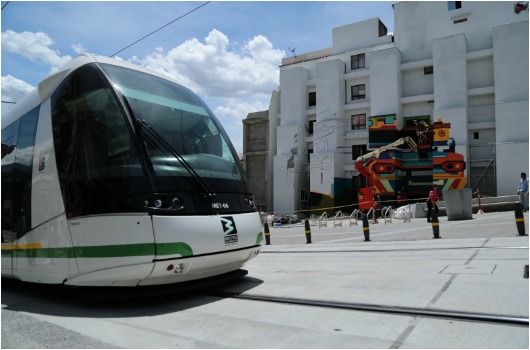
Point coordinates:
pixel 259 239
pixel 107 251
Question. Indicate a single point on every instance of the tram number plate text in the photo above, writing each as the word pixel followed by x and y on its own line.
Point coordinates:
pixel 230 239
pixel 220 206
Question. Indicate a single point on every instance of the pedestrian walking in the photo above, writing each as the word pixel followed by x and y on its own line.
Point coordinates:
pixel 431 203
pixel 522 191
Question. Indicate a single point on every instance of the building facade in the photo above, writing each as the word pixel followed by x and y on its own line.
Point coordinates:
pixel 465 63
pixel 259 147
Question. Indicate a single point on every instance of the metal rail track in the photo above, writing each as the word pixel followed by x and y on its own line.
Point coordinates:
pixel 379 250
pixel 396 310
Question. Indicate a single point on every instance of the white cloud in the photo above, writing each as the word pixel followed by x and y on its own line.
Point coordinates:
pixel 35 47
pixel 78 48
pixel 14 89
pixel 237 109
pixel 239 78
pixel 214 69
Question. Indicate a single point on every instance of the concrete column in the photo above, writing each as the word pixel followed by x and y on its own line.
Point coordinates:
pixel 510 67
pixel 450 88
pixel 385 83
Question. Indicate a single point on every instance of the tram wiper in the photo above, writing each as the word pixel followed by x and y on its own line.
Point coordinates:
pixel 207 192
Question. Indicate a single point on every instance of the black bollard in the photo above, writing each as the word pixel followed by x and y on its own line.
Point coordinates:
pixel 366 228
pixel 307 232
pixel 435 225
pixel 519 218
pixel 267 234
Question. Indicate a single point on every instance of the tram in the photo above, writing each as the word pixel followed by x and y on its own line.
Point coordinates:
pixel 115 175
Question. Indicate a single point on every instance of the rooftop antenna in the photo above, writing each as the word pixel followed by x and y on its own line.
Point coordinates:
pixel 292 51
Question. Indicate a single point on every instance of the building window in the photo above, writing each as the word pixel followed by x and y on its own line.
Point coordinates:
pixel 312 99
pixel 357 151
pixel 427 70
pixel 311 126
pixel 475 135
pixel 358 121
pixel 358 92
pixel 453 5
pixel 357 61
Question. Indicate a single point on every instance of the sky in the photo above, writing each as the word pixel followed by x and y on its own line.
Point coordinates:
pixel 228 52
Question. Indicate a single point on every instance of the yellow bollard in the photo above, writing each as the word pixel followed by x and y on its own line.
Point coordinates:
pixel 366 228
pixel 307 232
pixel 267 234
pixel 519 218
pixel 435 225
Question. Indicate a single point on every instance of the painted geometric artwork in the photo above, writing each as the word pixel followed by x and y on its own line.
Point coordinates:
pixel 402 168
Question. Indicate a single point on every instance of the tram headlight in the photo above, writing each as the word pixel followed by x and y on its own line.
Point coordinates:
pixel 158 203
pixel 177 203
pixel 179 268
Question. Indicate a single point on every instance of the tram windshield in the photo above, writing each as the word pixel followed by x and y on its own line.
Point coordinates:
pixel 182 120
pixel 105 166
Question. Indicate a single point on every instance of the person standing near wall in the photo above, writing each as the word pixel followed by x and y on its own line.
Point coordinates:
pixel 522 191
pixel 431 203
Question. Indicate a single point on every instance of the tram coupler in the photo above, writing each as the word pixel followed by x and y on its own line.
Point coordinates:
pixel 307 232
pixel 366 228
pixel 519 218
pixel 267 234
pixel 435 225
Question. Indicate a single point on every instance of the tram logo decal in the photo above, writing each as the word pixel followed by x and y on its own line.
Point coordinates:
pixel 42 161
pixel 229 229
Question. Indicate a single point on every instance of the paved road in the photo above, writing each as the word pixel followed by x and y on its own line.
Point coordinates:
pixel 401 290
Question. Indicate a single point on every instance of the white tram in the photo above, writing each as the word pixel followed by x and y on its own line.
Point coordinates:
pixel 114 175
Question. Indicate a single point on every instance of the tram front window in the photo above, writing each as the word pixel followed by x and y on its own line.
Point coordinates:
pixel 97 157
pixel 105 166
pixel 179 117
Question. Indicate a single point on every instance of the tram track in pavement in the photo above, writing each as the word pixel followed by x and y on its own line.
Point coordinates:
pixel 394 310
pixel 293 251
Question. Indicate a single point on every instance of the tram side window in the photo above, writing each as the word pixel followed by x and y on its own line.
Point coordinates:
pixel 18 141
pixel 9 141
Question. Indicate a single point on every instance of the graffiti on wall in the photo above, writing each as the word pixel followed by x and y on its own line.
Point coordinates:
pixel 400 168
pixel 413 172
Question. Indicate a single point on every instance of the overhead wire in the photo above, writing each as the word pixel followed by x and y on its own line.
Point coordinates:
pixel 153 32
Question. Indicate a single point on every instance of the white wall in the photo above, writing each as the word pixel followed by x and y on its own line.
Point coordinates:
pixel 450 72
pixel 510 59
pixel 293 98
pixel 417 23
pixel 415 82
pixel 358 35
pixel 385 82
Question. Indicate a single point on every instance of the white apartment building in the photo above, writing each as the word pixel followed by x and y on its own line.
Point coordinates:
pixel 464 62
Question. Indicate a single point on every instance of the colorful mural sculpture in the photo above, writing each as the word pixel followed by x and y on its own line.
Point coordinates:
pixel 411 170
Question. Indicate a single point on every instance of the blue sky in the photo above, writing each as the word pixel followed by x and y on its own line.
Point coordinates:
pixel 227 52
